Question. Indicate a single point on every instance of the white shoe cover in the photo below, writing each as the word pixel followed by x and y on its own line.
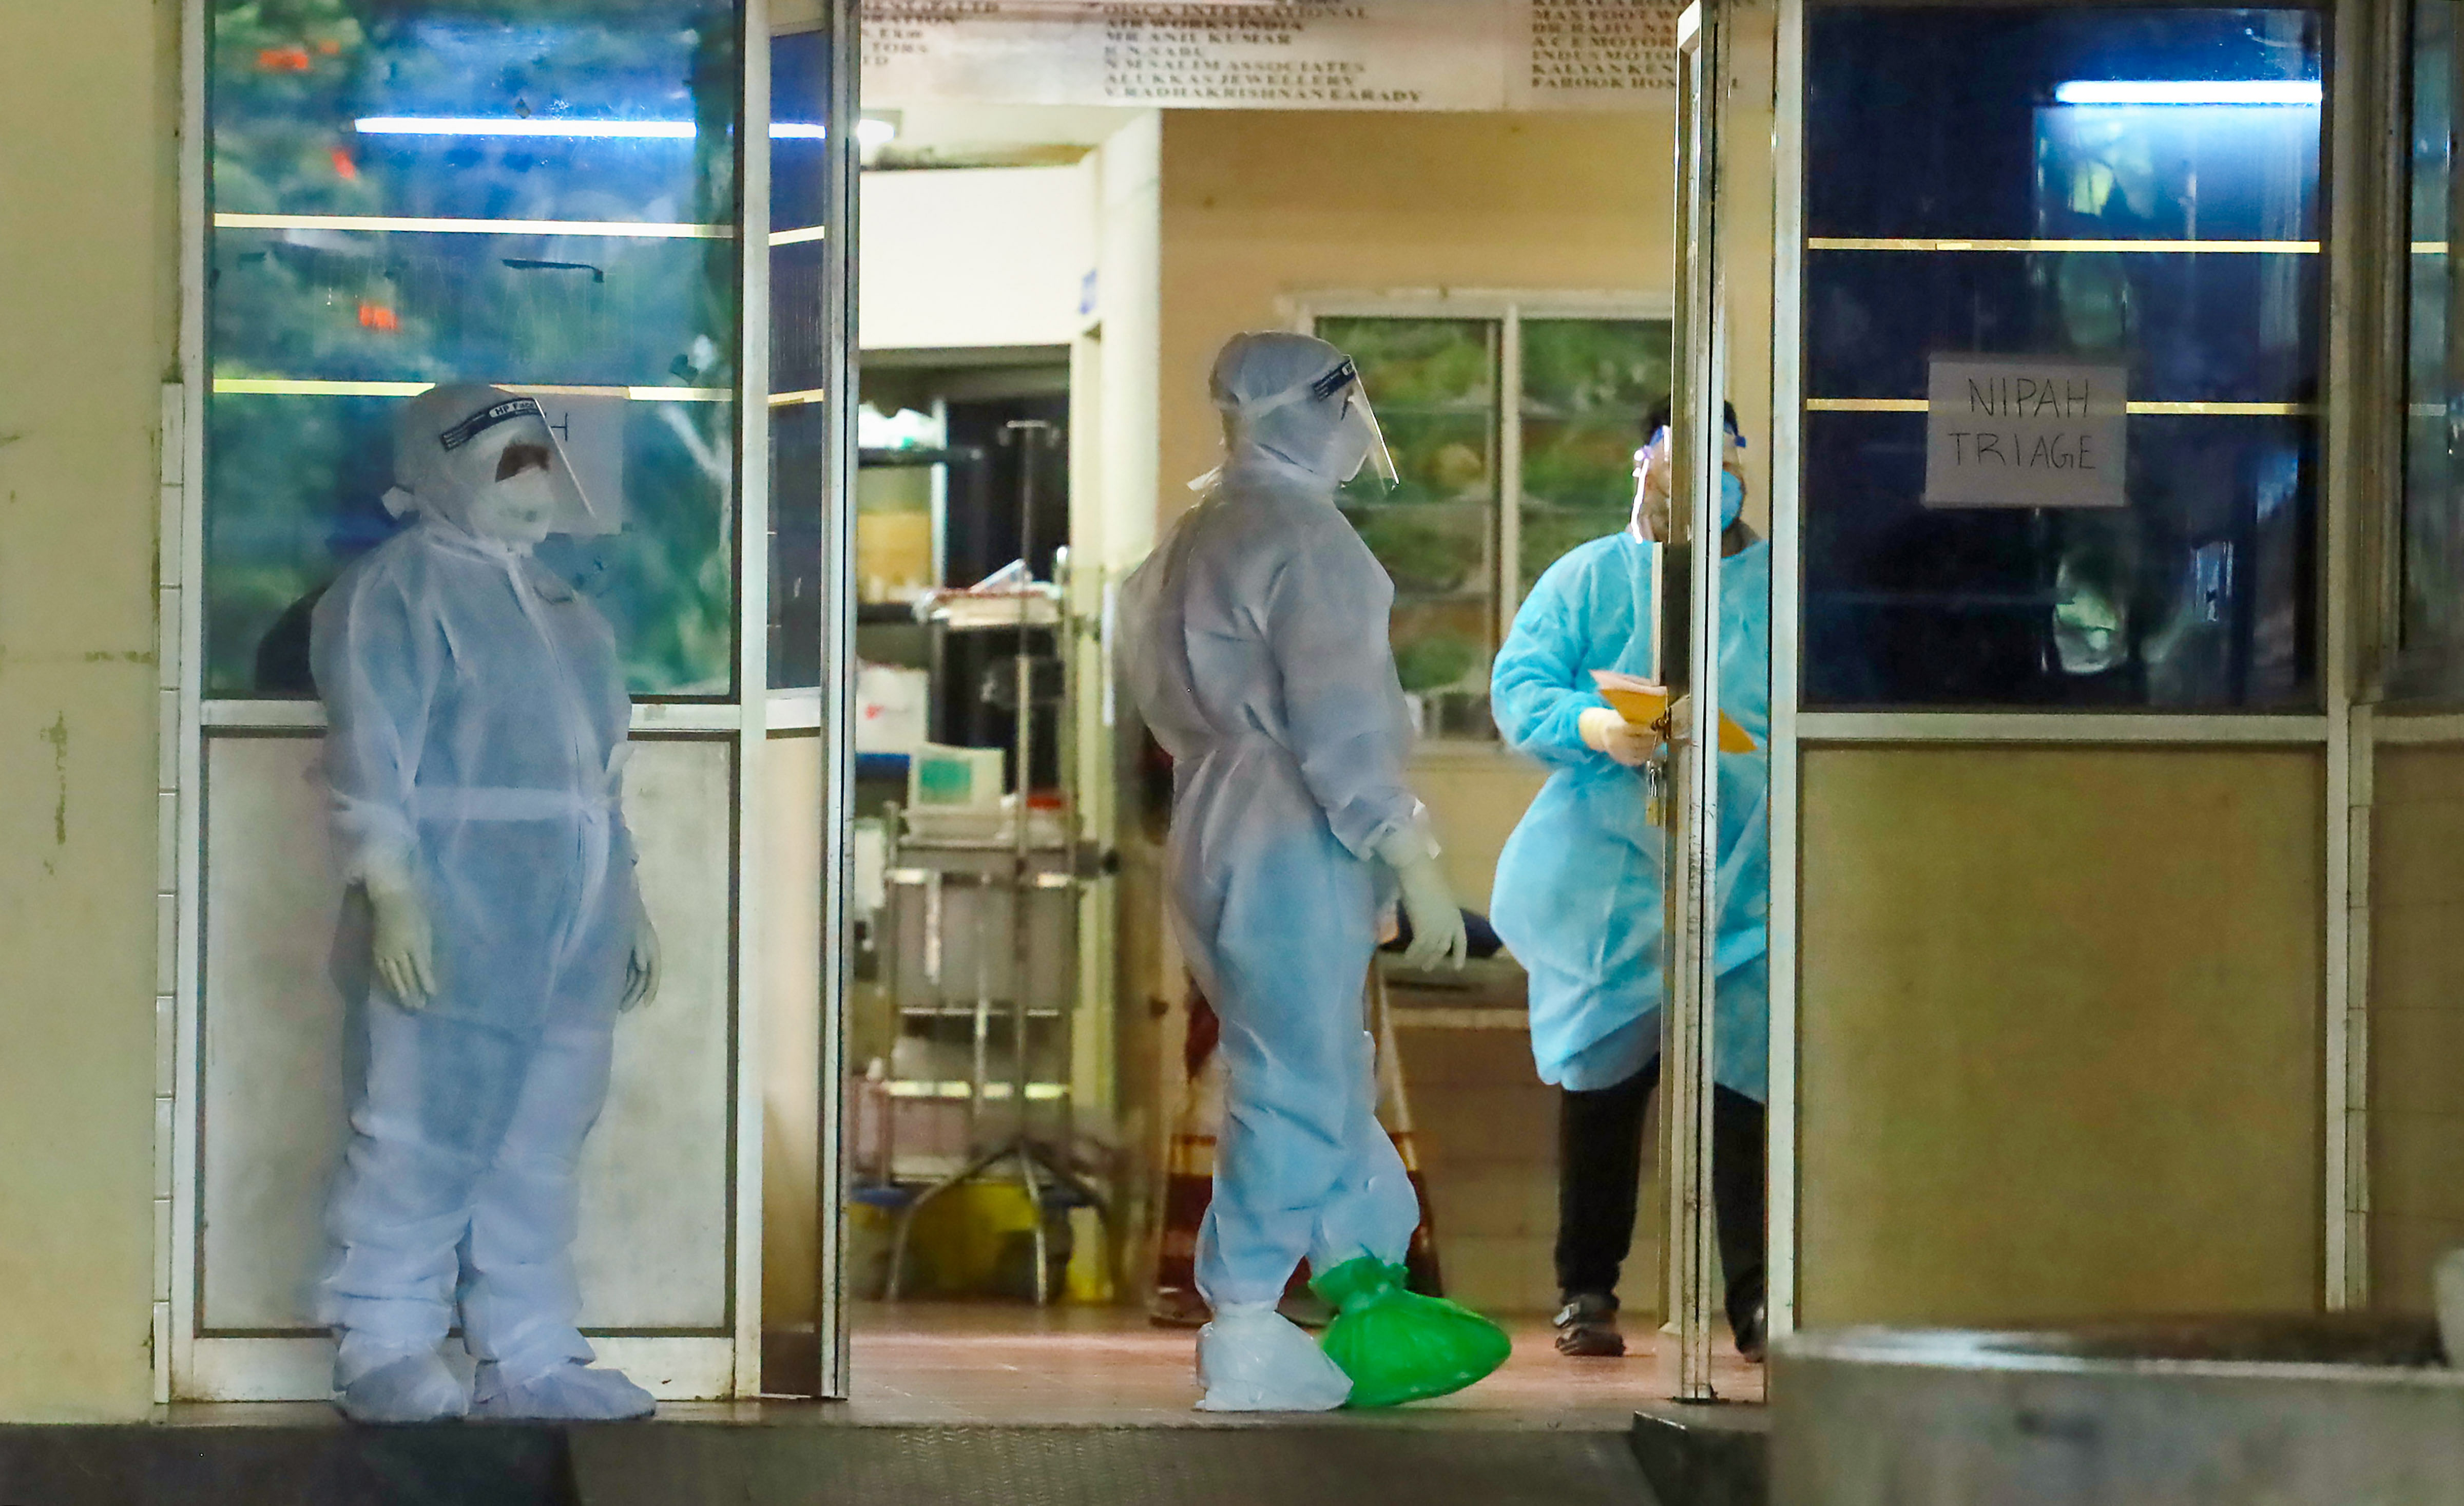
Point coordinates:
pixel 571 1392
pixel 414 1388
pixel 1255 1360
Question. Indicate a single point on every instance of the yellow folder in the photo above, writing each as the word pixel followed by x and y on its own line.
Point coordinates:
pixel 1642 704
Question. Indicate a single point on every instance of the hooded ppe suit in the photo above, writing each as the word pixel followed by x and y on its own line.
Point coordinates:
pixel 1255 641
pixel 1578 884
pixel 479 722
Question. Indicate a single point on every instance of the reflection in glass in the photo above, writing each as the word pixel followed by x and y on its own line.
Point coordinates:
pixel 1587 384
pixel 1435 383
pixel 558 310
pixel 2429 662
pixel 309 317
pixel 292 81
pixel 800 361
pixel 293 483
pixel 1966 124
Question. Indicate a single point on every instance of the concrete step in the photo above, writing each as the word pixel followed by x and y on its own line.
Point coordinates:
pixel 1717 1455
pixel 1395 1460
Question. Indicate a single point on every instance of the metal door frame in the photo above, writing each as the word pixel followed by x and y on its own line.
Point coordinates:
pixel 2362 231
pixel 1699 383
pixel 189 1366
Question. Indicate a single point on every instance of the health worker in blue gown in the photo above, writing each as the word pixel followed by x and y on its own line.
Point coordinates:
pixel 1578 893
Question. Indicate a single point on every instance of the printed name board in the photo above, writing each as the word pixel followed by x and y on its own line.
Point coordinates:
pixel 1318 54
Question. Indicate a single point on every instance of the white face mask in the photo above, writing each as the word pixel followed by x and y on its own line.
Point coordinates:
pixel 518 510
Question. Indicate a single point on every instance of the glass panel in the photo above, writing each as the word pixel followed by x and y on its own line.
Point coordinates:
pixel 291 488
pixel 1435 383
pixel 800 356
pixel 617 114
pixel 1587 384
pixel 570 310
pixel 2036 128
pixel 434 108
pixel 2429 664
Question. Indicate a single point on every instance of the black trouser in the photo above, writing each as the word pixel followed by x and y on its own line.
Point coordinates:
pixel 1599 1163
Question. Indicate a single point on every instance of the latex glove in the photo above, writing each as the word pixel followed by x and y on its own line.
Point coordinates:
pixel 404 947
pixel 1437 920
pixel 642 968
pixel 1604 731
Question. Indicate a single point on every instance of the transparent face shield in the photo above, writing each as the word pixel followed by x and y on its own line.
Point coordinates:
pixel 531 452
pixel 1296 424
pixel 509 450
pixel 1360 417
pixel 1650 517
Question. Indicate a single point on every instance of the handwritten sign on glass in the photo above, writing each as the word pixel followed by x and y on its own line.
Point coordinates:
pixel 2025 431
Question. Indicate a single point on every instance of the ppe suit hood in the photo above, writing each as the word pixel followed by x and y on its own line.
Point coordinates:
pixel 447 442
pixel 1295 399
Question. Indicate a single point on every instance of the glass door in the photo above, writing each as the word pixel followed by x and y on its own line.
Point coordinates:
pixel 607 208
pixel 1720 518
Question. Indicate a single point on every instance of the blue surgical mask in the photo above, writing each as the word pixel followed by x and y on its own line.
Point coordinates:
pixel 1733 498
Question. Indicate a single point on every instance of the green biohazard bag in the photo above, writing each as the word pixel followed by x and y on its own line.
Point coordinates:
pixel 1398 1345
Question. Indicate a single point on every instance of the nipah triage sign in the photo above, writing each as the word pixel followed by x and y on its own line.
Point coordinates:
pixel 2025 431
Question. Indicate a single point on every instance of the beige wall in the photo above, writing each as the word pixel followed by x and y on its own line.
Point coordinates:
pixel 2061 1033
pixel 2416 1091
pixel 88 103
pixel 1260 206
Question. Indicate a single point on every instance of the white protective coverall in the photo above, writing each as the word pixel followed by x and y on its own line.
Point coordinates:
pixel 1255 643
pixel 479 722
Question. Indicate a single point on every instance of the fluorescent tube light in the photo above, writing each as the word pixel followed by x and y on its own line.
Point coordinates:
pixel 514 125
pixel 2190 91
pixel 589 130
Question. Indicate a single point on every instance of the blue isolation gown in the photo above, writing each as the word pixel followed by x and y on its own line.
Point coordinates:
pixel 1578 897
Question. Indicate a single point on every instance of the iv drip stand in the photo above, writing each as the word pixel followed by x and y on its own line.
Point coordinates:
pixel 1038 1164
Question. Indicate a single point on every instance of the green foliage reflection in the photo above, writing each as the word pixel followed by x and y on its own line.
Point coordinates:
pixel 1434 383
pixel 1585 385
pixel 292 479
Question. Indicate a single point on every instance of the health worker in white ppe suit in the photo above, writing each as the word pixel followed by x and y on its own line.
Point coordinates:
pixel 479 722
pixel 1255 643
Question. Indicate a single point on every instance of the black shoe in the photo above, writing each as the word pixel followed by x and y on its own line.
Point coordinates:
pixel 1587 1327
pixel 1749 1335
pixel 1177 1308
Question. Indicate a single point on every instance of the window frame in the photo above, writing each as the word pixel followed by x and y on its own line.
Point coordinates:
pixel 1509 309
pixel 746 719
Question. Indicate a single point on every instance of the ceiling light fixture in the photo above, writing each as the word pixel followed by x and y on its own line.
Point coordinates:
pixel 2191 91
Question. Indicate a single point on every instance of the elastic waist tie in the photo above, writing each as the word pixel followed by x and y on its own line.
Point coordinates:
pixel 505 804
